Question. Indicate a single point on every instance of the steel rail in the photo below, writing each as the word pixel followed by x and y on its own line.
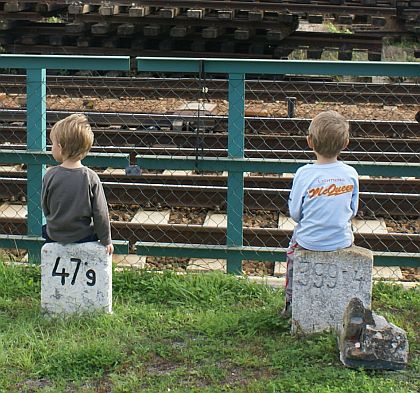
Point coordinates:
pixel 99 50
pixel 289 6
pixel 198 234
pixel 204 179
pixel 146 135
pixel 154 121
pixel 294 40
pixel 189 88
pixel 181 20
pixel 16 135
pixel 176 47
pixel 174 151
pixel 379 204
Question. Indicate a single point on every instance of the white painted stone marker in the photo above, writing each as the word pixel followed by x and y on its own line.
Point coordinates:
pixel 76 278
pixel 324 283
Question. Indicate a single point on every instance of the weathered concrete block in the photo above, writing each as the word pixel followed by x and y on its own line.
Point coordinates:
pixel 196 13
pixel 138 11
pixel 324 283
pixel 368 340
pixel 75 278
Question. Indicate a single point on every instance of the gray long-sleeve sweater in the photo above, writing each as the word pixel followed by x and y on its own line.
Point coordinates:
pixel 74 204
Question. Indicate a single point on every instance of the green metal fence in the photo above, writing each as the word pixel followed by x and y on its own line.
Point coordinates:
pixel 234 250
pixel 236 163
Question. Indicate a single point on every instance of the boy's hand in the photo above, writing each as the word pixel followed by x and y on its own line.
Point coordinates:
pixel 109 249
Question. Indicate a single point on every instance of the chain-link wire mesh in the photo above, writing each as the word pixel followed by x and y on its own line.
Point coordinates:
pixel 187 115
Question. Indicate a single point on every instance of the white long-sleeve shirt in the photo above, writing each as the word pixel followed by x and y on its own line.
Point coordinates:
pixel 323 200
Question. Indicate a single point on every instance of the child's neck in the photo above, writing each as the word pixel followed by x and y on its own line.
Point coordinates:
pixel 324 160
pixel 71 164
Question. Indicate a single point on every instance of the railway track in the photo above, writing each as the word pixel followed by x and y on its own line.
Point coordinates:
pixel 155 135
pixel 198 179
pixel 255 29
pixel 189 89
pixel 16 119
pixel 174 194
pixel 379 197
pixel 215 145
pixel 313 44
pixel 198 234
pixel 267 153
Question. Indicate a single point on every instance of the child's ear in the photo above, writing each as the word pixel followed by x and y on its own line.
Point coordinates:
pixel 346 143
pixel 309 141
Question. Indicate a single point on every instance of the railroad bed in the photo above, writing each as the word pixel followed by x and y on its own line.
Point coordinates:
pixel 189 206
pixel 263 29
pixel 141 206
pixel 150 225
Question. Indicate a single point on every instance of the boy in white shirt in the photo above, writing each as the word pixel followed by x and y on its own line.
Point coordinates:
pixel 324 196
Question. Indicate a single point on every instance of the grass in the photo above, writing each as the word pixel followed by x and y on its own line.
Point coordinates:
pixel 332 28
pixel 190 333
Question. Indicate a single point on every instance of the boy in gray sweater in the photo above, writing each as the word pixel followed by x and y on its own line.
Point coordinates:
pixel 73 199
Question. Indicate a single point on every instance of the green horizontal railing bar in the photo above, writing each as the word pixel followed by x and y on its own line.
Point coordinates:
pixel 99 63
pixel 396 259
pixel 297 67
pixel 116 160
pixel 121 246
pixel 23 242
pixel 394 169
pixel 268 254
pixel 34 242
pixel 268 165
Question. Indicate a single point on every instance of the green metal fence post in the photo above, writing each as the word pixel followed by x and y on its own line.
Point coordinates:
pixel 36 141
pixel 235 195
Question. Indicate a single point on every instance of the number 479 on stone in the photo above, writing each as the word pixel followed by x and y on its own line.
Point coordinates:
pixel 90 274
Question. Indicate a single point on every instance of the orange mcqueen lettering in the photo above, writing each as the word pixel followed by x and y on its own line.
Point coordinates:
pixel 331 190
pixel 313 192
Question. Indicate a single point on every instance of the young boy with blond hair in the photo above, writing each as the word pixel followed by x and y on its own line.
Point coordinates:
pixel 324 196
pixel 73 199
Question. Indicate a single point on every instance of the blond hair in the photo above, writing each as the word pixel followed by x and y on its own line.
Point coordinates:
pixel 329 132
pixel 74 135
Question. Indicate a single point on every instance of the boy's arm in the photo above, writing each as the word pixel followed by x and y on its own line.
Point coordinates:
pixel 296 198
pixel 100 214
pixel 355 197
pixel 44 198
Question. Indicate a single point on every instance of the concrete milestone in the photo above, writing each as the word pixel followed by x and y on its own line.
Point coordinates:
pixel 323 284
pixel 76 278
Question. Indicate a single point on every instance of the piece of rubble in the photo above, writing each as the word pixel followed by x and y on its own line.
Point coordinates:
pixel 369 341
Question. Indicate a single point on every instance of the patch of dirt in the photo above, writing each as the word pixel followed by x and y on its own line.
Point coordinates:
pixel 12 254
pixel 261 219
pixel 367 111
pixel 188 216
pixel 403 226
pixel 160 366
pixel 411 274
pixel 167 263
pixel 32 385
pixel 119 212
pixel 236 375
pixel 253 268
